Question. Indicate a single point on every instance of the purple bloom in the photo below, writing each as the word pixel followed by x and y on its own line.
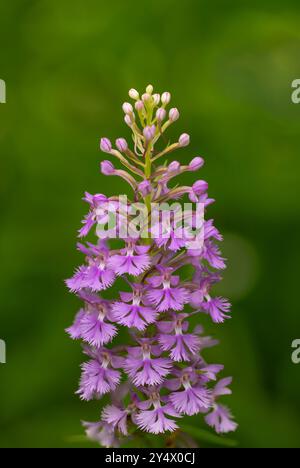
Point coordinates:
pixel 133 260
pixel 133 314
pixel 74 330
pixel 171 231
pixel 97 380
pixel 218 308
pixel 98 377
pixel 95 202
pixel 116 417
pixel 195 397
pixel 212 254
pixel 191 400
pixel 95 329
pixel 97 275
pixel 221 420
pixel 92 324
pixel 156 421
pixel 199 188
pixel 173 338
pixel 164 292
pixel 102 433
pixel 143 368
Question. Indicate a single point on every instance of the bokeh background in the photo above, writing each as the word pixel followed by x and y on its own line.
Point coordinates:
pixel 68 67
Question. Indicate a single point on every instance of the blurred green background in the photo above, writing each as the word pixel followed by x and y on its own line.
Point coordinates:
pixel 68 66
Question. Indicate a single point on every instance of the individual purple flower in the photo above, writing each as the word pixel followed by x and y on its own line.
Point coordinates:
pixel 195 397
pixel 98 376
pixel 120 415
pixel 156 421
pixel 102 433
pixel 218 308
pixel 131 312
pixel 199 188
pixel 117 417
pixel 143 368
pixel 221 420
pixel 171 230
pixel 95 202
pixel 75 329
pixel 212 254
pixel 133 259
pixel 92 323
pixel 155 415
pixel 173 338
pixel 164 291
pixel 220 417
pixel 97 275
pixel 95 328
pixel 145 188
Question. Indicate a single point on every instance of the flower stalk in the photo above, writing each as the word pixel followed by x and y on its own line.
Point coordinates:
pixel 158 374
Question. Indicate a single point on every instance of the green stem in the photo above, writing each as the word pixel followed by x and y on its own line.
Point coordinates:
pixel 148 169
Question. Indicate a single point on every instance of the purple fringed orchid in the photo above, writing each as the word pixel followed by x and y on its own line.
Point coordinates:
pixel 157 374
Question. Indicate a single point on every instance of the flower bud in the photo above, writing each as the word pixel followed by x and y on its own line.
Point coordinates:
pixel 184 140
pixel 139 106
pixel 145 188
pixel 127 108
pixel 122 145
pixel 107 168
pixel 133 93
pixel 128 120
pixel 105 145
pixel 149 132
pixel 174 166
pixel 166 98
pixel 196 164
pixel 174 114
pixel 149 89
pixel 156 99
pixel 200 187
pixel 146 97
pixel 161 114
